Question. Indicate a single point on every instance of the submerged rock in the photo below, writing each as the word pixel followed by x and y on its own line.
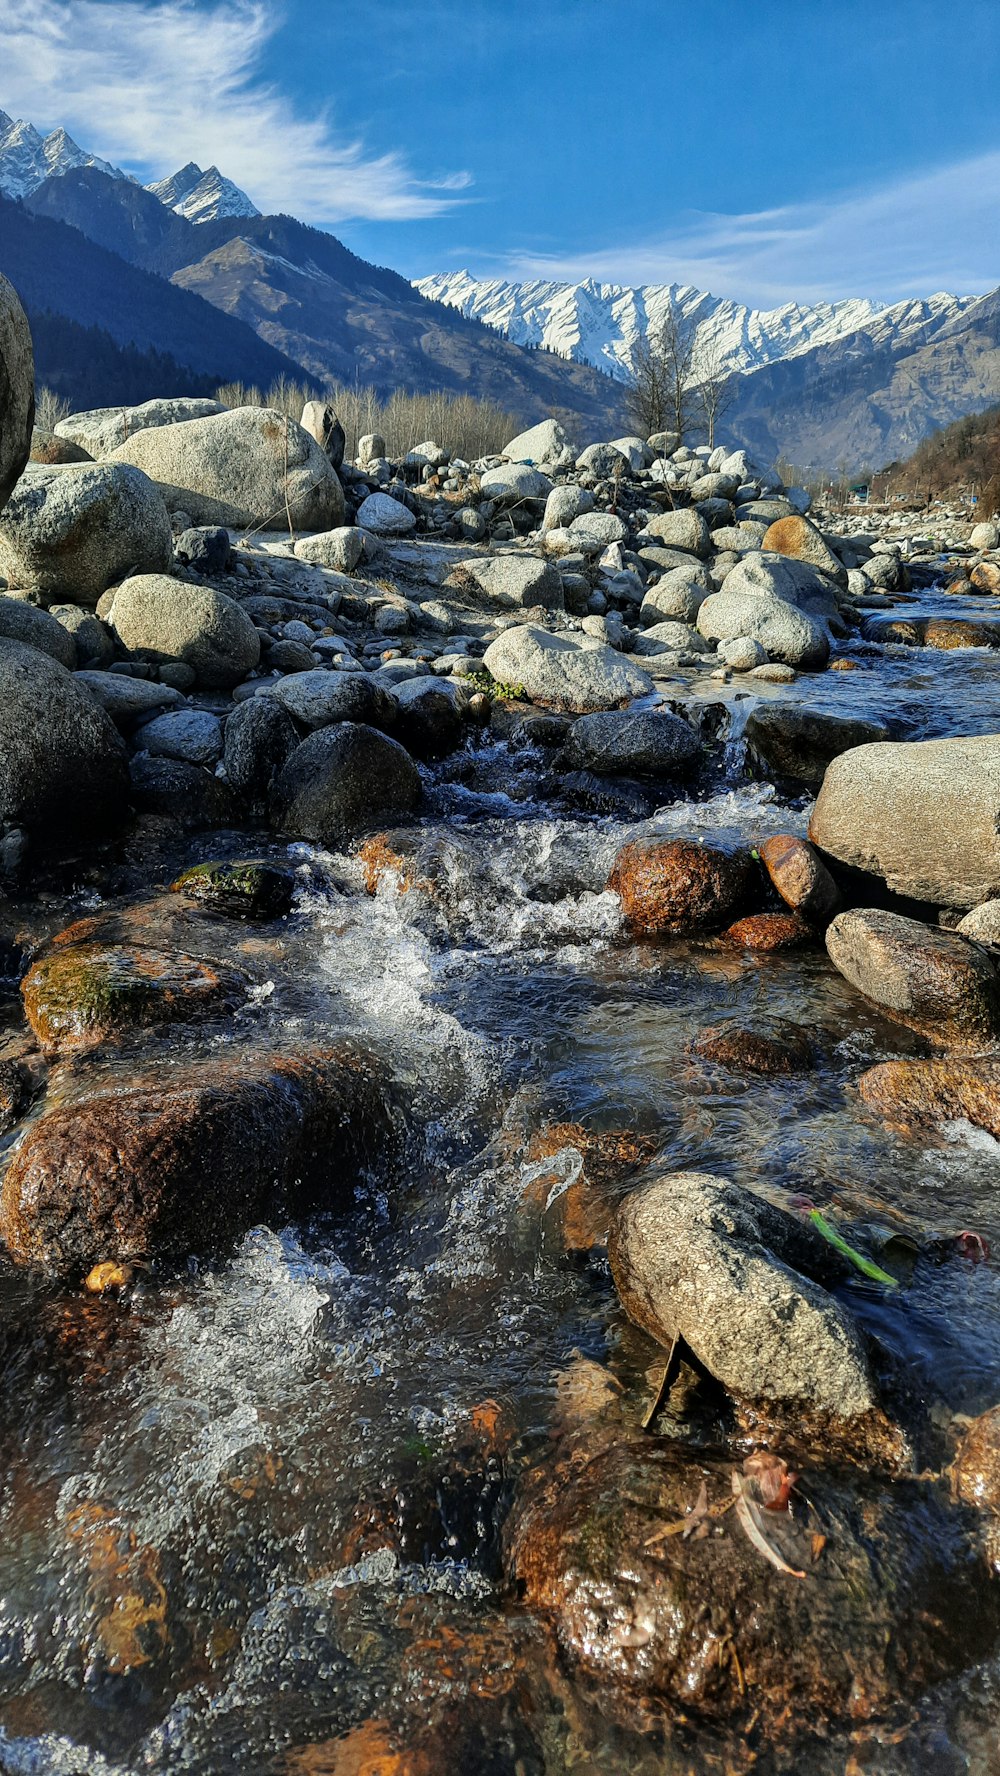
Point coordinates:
pixel 341 781
pixel 929 1094
pixel 898 1598
pixel 677 885
pixel 81 996
pixel 739 1280
pixel 770 1046
pixel 943 985
pixel 190 1162
pixel 769 931
pixel 923 816
pixel 975 1473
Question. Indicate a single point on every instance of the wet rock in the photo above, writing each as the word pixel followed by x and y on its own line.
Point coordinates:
pixel 320 697
pixel 975 1473
pixel 923 816
pixel 428 720
pixel 17 389
pixel 250 466
pixel 933 981
pixel 642 743
pixel 800 877
pixel 739 1280
pixel 795 742
pixel 69 533
pixel 511 580
pixel 771 1046
pixel 85 995
pixel 189 794
pixel 248 888
pixel 676 885
pixel 341 781
pixel 190 1162
pixel 769 931
pixel 801 541
pixel 707 1626
pixel 64 766
pixel 933 632
pixel 260 738
pixel 916 1095
pixel 575 673
pixel 15 1094
pixel 24 622
pixel 160 619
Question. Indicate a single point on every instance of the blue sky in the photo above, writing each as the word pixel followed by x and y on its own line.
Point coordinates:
pixel 763 151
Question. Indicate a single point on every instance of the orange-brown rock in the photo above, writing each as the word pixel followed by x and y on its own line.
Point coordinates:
pixel 189 1161
pixel 960 632
pixel 975 1473
pixel 606 1159
pixel 799 539
pixel 78 996
pixel 800 877
pixel 986 575
pixel 925 1094
pixel 769 931
pixel 768 1046
pixel 373 1749
pixel 677 885
pixel 895 1600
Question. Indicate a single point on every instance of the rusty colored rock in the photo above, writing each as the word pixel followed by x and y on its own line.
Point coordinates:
pixel 960 632
pixel 986 576
pixel 189 1162
pixel 975 1474
pixel 800 877
pixel 679 886
pixel 925 1094
pixel 608 1159
pixel 769 931
pixel 800 540
pixel 895 1601
pixel 771 1046
pixel 78 996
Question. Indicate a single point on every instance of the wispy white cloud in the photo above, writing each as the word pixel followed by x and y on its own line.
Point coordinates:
pixel 151 86
pixel 937 230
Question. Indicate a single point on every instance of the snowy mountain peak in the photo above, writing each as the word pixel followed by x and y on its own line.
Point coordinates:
pixel 27 159
pixel 202 196
pixel 603 324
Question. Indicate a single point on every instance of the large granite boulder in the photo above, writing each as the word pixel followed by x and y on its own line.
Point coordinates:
pixel 160 619
pixel 68 533
pixel 575 672
pixel 102 429
pixel 63 768
pixel 17 389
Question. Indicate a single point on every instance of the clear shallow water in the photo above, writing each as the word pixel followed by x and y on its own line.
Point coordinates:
pixel 257 1506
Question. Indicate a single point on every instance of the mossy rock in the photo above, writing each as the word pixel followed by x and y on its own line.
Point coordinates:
pixel 246 889
pixel 78 997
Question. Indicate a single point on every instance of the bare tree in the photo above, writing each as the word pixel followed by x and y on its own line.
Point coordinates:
pixel 660 396
pixel 716 387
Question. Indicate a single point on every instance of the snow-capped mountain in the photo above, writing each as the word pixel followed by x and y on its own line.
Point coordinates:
pixel 602 324
pixel 27 159
pixel 202 196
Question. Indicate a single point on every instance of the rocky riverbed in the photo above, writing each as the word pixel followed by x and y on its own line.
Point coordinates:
pixel 500 1092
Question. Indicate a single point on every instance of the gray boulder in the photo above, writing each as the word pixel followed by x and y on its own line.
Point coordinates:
pixel 742 1283
pixel 640 743
pixel 922 816
pixel 564 504
pixel 517 581
pixel 260 738
pixel 194 735
pixel 341 781
pixel 679 594
pixel 67 533
pixel 104 428
pixel 797 583
pixel 340 549
pixel 385 516
pixel 593 531
pixel 63 767
pixel 93 644
pixel 540 445
pixel 17 389
pixel 160 619
pixel 23 622
pixel 321 422
pixel 942 984
pixel 578 673
pixel 787 634
pixel 429 721
pixel 510 483
pixel 251 466
pixel 126 698
pixel 320 697
pixel 603 460
pixel 685 529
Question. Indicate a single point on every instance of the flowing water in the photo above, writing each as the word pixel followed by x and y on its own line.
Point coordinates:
pixel 257 1504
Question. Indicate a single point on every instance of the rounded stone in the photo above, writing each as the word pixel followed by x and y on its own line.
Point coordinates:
pixel 676 885
pixel 64 765
pixel 341 781
pixel 160 619
pixel 69 533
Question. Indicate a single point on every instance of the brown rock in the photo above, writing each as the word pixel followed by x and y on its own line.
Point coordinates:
pixel 82 995
pixel 800 877
pixel 801 541
pixel 772 1046
pixel 933 981
pixel 925 1094
pixel 769 931
pixel 896 1600
pixel 975 1473
pixel 986 575
pixel 960 632
pixel 604 1160
pixel 678 885
pixel 191 1161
